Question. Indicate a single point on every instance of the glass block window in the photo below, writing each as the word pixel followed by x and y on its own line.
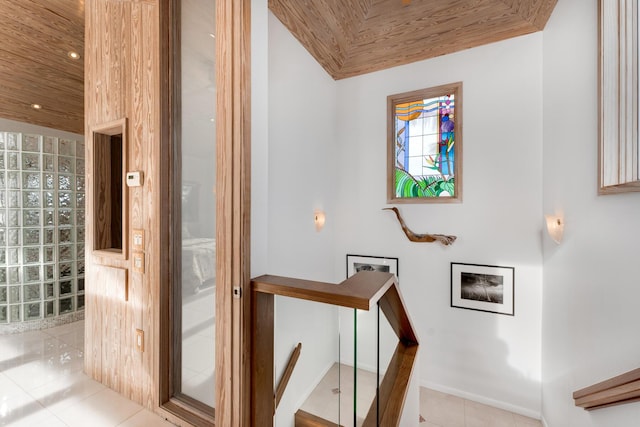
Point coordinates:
pixel 42 200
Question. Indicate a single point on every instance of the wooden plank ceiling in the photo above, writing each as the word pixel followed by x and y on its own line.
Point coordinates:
pixel 350 38
pixel 35 38
pixel 347 38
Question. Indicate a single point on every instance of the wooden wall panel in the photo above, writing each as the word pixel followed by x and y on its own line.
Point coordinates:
pixel 121 81
pixel 36 69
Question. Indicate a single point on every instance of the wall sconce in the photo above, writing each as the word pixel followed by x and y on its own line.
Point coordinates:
pixel 555 227
pixel 318 219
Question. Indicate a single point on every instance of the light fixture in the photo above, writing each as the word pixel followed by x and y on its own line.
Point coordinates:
pixel 318 219
pixel 73 55
pixel 555 227
pixel 36 106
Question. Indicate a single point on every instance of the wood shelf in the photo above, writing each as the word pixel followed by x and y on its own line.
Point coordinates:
pixel 618 390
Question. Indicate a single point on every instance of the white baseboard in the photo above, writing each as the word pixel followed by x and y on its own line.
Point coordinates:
pixel 482 399
pixel 544 422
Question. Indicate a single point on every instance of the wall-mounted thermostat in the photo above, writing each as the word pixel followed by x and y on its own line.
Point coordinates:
pixel 134 179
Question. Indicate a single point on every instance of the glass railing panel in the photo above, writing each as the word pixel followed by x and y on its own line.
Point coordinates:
pixel 314 385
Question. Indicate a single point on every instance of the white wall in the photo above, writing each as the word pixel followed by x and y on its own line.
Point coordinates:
pixel 259 136
pixel 487 357
pixel 327 149
pixel 302 145
pixel 13 126
pixel 591 294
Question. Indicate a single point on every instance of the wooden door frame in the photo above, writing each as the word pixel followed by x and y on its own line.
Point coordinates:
pixel 233 124
pixel 233 166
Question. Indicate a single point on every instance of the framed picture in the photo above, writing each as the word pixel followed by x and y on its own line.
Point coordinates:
pixel 424 145
pixel 356 263
pixel 483 287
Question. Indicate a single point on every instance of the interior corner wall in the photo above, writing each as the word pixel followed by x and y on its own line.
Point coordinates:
pixel 327 150
pixel 591 293
pixel 487 357
pixel 302 178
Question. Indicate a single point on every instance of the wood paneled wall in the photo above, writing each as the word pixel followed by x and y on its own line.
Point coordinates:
pixel 122 81
pixel 128 75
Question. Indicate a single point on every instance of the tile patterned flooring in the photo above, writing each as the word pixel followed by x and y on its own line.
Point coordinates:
pixel 443 410
pixel 437 409
pixel 42 384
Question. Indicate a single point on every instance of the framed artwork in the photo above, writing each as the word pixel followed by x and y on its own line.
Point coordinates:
pixel 424 145
pixel 356 263
pixel 487 288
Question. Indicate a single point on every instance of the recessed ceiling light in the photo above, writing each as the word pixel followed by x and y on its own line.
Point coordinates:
pixel 212 35
pixel 36 106
pixel 73 55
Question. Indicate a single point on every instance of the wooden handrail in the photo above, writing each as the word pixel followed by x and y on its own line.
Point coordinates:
pixel 361 291
pixel 282 385
pixel 624 388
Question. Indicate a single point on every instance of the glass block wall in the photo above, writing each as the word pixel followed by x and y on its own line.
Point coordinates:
pixel 42 211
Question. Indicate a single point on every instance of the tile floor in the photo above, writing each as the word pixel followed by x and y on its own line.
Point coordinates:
pixel 437 409
pixel 325 400
pixel 42 384
pixel 443 410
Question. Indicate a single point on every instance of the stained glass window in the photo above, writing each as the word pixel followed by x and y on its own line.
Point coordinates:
pixel 425 141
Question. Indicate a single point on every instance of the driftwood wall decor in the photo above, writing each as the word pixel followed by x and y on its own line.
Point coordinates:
pixel 424 238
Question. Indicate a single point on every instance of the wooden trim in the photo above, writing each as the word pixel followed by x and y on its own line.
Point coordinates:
pixel 189 410
pixel 360 291
pixel 97 132
pixel 624 388
pixel 394 309
pixel 233 106
pixel 262 360
pixel 288 370
pixel 305 419
pixel 393 388
pixel 169 319
pixel 400 98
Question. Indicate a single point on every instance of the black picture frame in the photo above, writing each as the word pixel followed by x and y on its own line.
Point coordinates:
pixel 375 263
pixel 481 287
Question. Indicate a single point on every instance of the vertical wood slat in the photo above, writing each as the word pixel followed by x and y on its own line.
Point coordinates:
pixel 609 87
pixel 262 359
pixel 618 97
pixel 233 393
pixel 625 69
pixel 121 80
pixel 224 125
pixel 151 201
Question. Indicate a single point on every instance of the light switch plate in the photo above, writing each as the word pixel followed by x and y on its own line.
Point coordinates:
pixel 137 238
pixel 138 262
